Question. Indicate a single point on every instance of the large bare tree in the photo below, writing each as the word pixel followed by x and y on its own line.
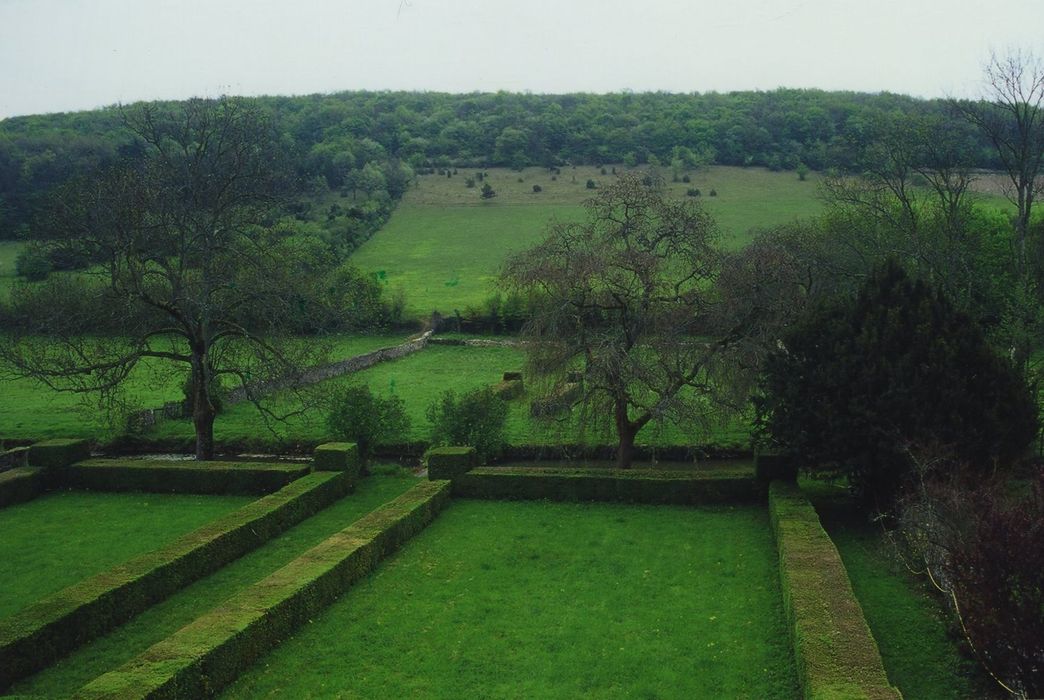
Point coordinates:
pixel 629 298
pixel 184 268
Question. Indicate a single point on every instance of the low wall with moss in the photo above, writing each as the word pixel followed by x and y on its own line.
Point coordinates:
pixel 50 628
pixel 626 485
pixel 203 657
pixel 835 652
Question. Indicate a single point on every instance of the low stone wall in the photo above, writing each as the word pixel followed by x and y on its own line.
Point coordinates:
pixel 335 369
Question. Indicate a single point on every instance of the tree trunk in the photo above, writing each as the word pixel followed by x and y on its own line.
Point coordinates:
pixel 203 411
pixel 625 432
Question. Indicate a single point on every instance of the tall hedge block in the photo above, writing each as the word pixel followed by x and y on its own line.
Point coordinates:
pixel 451 462
pixel 835 653
pixel 21 484
pixel 338 457
pixel 58 453
pixel 770 466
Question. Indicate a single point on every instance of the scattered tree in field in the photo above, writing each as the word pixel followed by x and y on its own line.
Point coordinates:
pixel 591 185
pixel 802 171
pixel 627 297
pixel 857 384
pixel 537 189
pixel 1011 115
pixel 186 268
pixel 358 416
pixel 487 191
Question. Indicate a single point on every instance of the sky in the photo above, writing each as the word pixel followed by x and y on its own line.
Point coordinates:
pixel 66 55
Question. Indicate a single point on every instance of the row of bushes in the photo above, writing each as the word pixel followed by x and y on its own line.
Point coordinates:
pixel 50 628
pixel 200 659
pixel 835 652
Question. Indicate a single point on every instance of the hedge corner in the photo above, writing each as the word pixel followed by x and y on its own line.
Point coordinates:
pixel 451 462
pixel 58 453
pixel 338 457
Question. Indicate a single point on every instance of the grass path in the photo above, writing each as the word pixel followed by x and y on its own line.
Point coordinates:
pixel 161 620
pixel 552 600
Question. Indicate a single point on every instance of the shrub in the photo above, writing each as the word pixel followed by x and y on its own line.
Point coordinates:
pixel 537 189
pixel 713 193
pixel 33 264
pixel 356 415
pixel 692 192
pixel 686 179
pixel 476 418
pixel 469 182
pixel 858 383
pixel 802 171
pixel 603 171
pixel 487 191
pixel 591 185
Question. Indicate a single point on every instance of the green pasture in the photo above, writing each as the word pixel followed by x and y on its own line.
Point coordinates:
pixel 444 245
pixel 31 410
pixel 917 643
pixel 163 619
pixel 552 600
pixel 418 379
pixel 60 538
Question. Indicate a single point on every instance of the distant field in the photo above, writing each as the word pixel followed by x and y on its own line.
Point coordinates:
pixel 444 245
pixel 418 380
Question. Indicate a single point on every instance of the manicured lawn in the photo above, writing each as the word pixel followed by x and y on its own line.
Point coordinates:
pixel 534 599
pixel 444 245
pixel 159 621
pixel 919 653
pixel 31 410
pixel 418 379
pixel 58 539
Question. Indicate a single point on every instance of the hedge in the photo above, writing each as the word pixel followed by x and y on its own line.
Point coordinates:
pixel 21 484
pixel 769 466
pixel 163 476
pixel 338 457
pixel 50 628
pixel 629 485
pixel 58 453
pixel 509 389
pixel 835 652
pixel 450 462
pixel 200 659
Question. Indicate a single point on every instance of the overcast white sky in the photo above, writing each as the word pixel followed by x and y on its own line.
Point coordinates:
pixel 61 55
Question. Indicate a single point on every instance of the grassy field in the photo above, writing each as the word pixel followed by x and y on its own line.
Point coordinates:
pixel 551 600
pixel 444 245
pixel 163 619
pixel 33 411
pixel 920 655
pixel 58 539
pixel 418 379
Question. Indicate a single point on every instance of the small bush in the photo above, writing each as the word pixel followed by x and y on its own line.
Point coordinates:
pixel 488 192
pixel 591 185
pixel 469 182
pixel 802 171
pixel 537 189
pixel 33 264
pixel 713 193
pixel 686 179
pixel 476 418
pixel 554 177
pixel 604 171
pixel 692 192
pixel 356 415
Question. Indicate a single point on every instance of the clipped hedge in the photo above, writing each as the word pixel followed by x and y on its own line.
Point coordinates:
pixel 770 466
pixel 21 484
pixel 160 476
pixel 201 658
pixel 338 457
pixel 835 652
pixel 450 462
pixel 50 628
pixel 628 485
pixel 58 453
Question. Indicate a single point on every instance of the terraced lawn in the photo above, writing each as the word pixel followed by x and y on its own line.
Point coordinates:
pixel 55 540
pixel 534 599
pixel 158 622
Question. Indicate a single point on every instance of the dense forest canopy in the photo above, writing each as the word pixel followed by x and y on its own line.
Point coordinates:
pixel 356 140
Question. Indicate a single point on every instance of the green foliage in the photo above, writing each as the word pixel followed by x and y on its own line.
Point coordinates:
pixel 33 264
pixel 537 189
pixel 861 381
pixel 358 416
pixel 58 452
pixel 487 191
pixel 450 462
pixel 802 171
pixel 476 418
pixel 591 185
